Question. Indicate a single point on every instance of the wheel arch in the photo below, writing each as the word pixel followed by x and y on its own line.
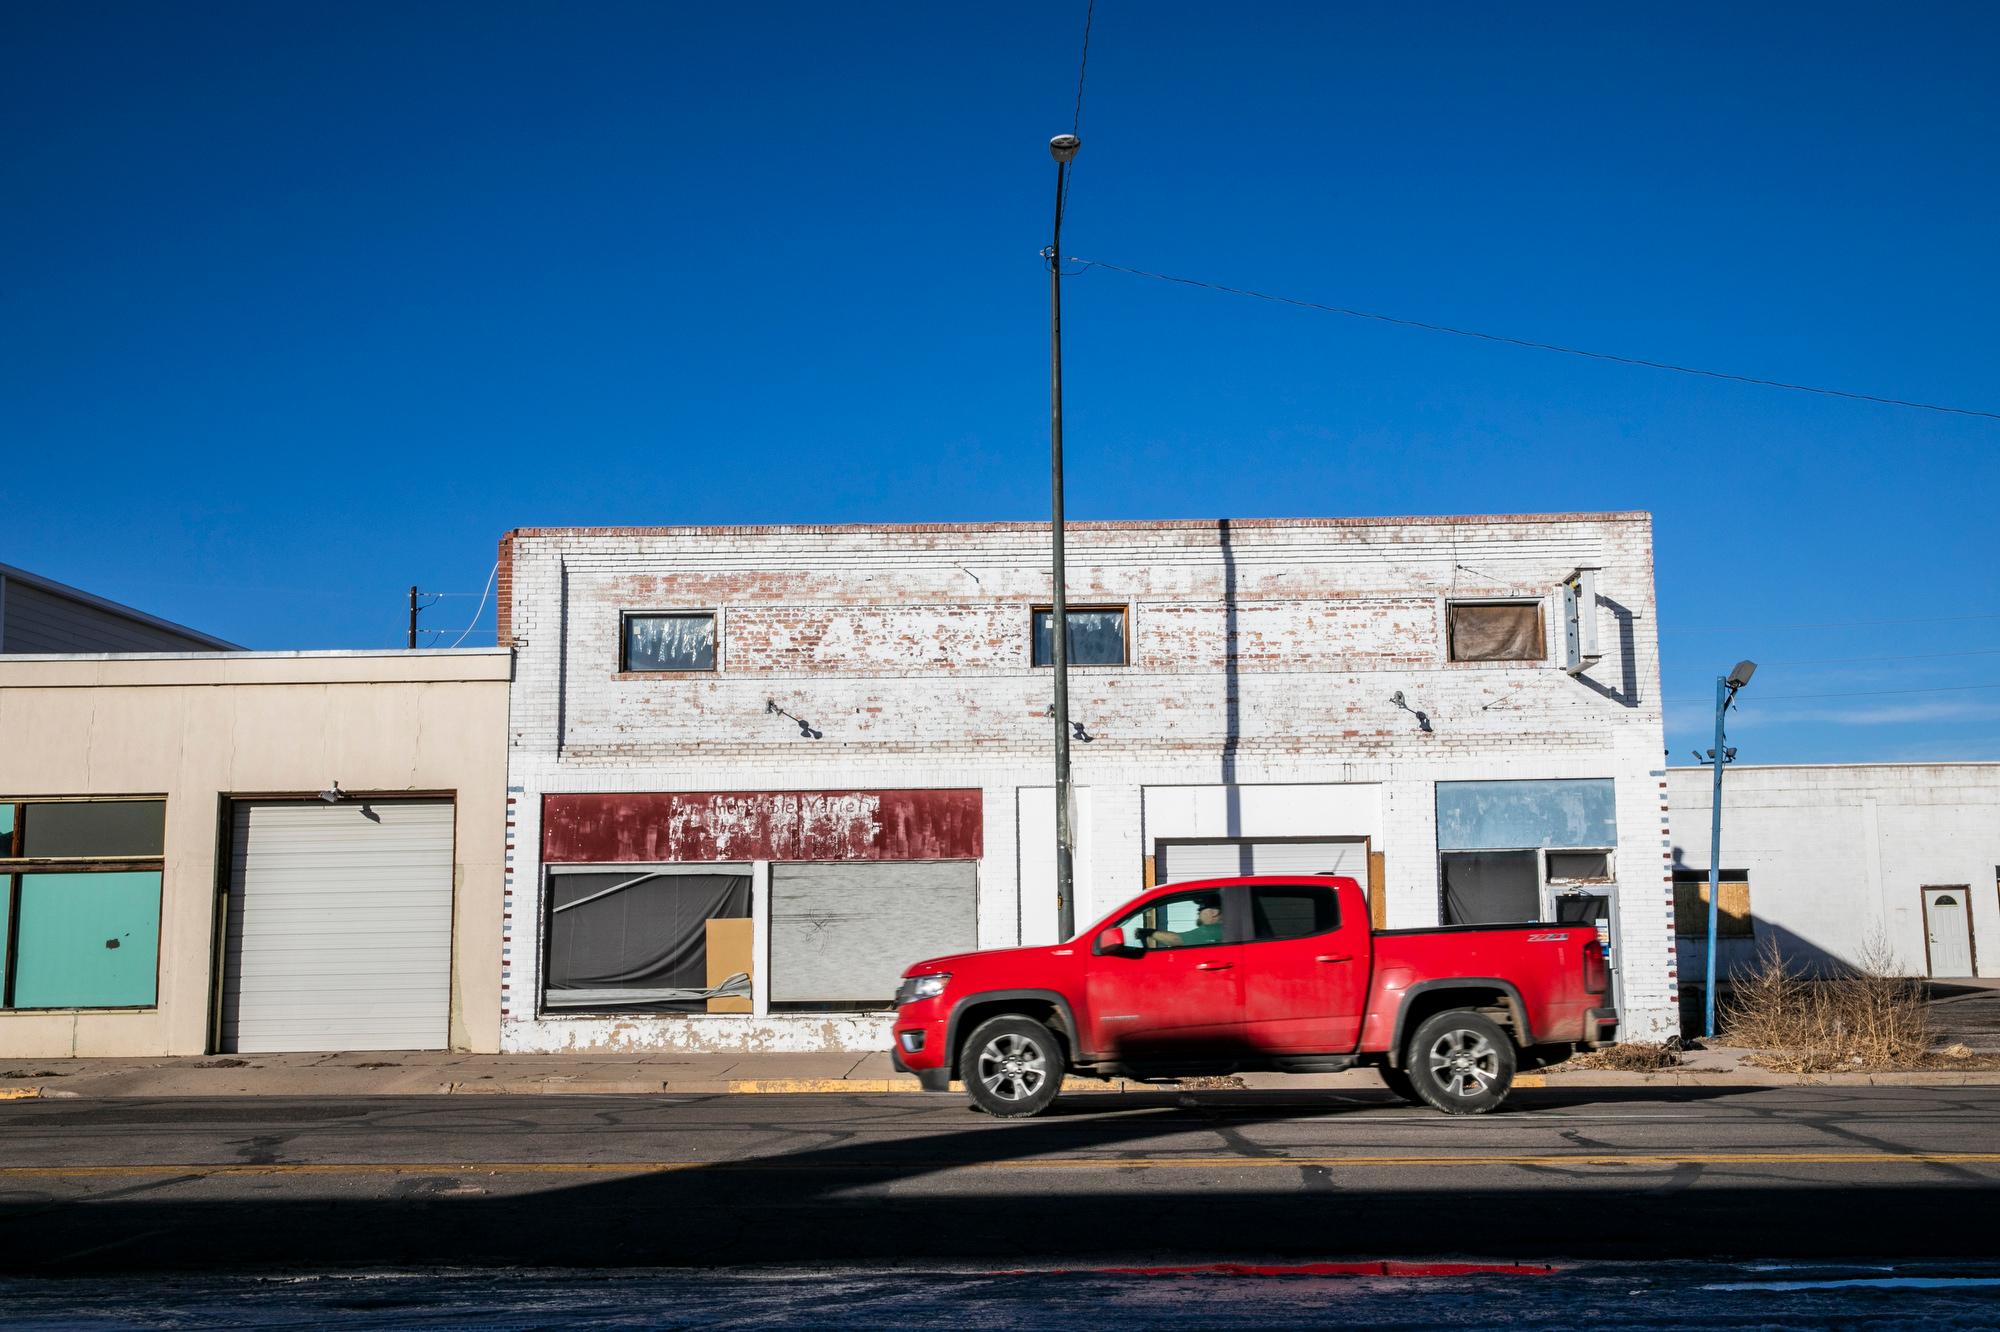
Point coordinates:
pixel 1048 1006
pixel 1425 998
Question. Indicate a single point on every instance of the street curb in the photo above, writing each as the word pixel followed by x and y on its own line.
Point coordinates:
pixel 1734 1080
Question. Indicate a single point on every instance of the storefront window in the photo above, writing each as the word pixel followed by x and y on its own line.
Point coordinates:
pixel 626 939
pixel 80 903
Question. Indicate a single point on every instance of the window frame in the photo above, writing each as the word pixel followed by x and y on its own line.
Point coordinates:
pixel 1548 888
pixel 1326 890
pixel 1233 924
pixel 1038 609
pixel 1698 881
pixel 545 901
pixel 14 865
pixel 714 614
pixel 1542 619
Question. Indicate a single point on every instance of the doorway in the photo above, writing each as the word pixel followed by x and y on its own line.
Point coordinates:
pixel 1948 932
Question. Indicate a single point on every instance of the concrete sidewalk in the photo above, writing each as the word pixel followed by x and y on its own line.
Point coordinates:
pixel 406 1073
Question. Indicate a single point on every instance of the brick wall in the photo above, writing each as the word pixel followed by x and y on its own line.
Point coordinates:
pixel 908 649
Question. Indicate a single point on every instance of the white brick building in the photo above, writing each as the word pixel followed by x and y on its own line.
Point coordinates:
pixel 816 754
pixel 1844 863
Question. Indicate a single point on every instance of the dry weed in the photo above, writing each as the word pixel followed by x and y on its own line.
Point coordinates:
pixel 1631 1057
pixel 1861 1019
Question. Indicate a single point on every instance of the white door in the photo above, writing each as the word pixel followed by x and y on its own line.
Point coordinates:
pixel 1178 862
pixel 1951 931
pixel 339 929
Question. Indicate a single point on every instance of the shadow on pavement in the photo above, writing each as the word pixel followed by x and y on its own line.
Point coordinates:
pixel 883 1202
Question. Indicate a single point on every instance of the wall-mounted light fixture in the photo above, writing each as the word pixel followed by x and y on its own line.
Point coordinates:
pixel 333 795
pixel 1423 718
pixel 806 731
pixel 1075 727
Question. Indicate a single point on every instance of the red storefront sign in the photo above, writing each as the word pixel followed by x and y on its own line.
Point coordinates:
pixel 669 826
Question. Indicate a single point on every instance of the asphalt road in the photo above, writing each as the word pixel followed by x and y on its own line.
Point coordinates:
pixel 817 1182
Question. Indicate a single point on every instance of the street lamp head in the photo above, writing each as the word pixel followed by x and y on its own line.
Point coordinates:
pixel 1740 676
pixel 1063 147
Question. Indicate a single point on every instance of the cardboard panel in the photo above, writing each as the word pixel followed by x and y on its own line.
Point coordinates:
pixel 729 951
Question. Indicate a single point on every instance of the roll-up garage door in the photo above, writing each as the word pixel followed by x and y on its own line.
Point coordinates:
pixel 339 934
pixel 843 933
pixel 1178 862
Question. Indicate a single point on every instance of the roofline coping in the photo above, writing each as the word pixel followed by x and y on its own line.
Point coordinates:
pixel 7 658
pixel 1097 525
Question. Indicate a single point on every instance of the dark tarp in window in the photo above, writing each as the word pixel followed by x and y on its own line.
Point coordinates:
pixel 1497 633
pixel 616 944
pixel 1491 888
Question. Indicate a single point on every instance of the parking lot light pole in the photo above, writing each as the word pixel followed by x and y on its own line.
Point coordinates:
pixel 1725 694
pixel 1063 148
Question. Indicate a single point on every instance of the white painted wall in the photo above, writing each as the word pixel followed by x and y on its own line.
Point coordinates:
pixel 1838 855
pixel 1264 661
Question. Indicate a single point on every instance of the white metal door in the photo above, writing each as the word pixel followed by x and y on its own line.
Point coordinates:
pixel 1178 862
pixel 1951 931
pixel 339 930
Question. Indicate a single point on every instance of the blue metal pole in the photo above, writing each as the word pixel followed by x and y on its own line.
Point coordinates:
pixel 1723 693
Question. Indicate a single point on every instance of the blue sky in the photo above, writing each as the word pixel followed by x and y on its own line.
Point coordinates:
pixel 306 303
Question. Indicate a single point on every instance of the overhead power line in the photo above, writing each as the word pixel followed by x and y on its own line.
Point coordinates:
pixel 1082 67
pixel 1827 624
pixel 1533 345
pixel 1852 693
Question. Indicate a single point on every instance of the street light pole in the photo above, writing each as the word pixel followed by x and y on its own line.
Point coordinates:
pixel 1063 148
pixel 1725 693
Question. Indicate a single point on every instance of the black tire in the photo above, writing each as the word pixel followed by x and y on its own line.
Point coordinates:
pixel 1398 1081
pixel 1460 1063
pixel 1012 1066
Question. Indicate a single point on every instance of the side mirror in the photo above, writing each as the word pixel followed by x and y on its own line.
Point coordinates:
pixel 1110 940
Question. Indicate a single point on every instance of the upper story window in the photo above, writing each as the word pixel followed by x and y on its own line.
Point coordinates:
pixel 1496 631
pixel 1096 636
pixel 668 641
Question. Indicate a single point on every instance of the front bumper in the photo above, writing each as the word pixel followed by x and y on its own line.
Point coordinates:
pixel 924 1024
pixel 1600 1027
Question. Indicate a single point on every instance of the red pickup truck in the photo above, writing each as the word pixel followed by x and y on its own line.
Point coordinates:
pixel 1267 973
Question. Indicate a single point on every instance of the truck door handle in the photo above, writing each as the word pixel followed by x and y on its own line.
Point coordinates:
pixel 1334 957
pixel 1213 966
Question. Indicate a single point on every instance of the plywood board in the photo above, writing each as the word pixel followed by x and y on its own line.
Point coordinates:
pixel 729 951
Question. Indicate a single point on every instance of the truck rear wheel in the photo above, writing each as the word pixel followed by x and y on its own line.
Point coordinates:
pixel 1460 1062
pixel 1012 1066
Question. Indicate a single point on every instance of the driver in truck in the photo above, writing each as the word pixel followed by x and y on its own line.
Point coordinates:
pixel 1207 928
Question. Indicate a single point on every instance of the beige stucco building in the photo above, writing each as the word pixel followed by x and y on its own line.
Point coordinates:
pixel 251 851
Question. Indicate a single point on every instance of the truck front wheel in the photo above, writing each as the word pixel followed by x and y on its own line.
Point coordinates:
pixel 1012 1066
pixel 1460 1062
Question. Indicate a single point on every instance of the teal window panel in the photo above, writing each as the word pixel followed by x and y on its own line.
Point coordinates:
pixel 1494 816
pixel 88 940
pixel 6 824
pixel 6 917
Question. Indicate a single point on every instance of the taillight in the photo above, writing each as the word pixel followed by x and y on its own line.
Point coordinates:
pixel 1595 979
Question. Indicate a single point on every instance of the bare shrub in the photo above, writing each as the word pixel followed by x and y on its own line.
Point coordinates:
pixel 1859 1019
pixel 1631 1057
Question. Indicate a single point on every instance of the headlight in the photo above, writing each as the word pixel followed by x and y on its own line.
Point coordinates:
pixel 922 987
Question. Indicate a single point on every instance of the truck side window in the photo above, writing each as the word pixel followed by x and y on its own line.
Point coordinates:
pixel 1293 913
pixel 1188 920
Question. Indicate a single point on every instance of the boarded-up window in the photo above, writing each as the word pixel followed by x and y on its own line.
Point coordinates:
pixel 1491 887
pixel 624 940
pixel 1507 631
pixel 842 934
pixel 80 926
pixel 1096 636
pixel 1732 915
pixel 677 642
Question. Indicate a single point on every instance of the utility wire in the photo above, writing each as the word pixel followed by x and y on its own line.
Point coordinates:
pixel 1076 119
pixel 1852 693
pixel 1906 656
pixel 1537 346
pixel 1828 624
pixel 481 609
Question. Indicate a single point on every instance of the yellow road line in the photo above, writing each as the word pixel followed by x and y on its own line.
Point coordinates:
pixel 781 1164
